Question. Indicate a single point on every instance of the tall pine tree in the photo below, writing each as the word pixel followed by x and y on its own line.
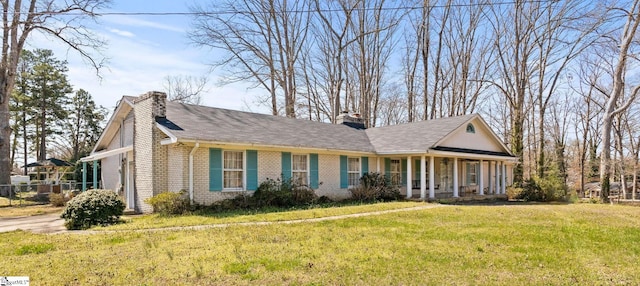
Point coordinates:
pixel 49 87
pixel 84 124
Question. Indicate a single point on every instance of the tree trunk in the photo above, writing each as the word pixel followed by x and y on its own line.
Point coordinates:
pixel 5 133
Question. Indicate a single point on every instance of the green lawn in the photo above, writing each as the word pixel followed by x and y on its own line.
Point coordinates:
pixel 463 245
pixel 157 221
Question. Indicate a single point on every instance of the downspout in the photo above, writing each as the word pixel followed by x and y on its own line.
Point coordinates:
pixel 193 151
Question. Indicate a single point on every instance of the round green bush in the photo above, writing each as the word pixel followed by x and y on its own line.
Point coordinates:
pixel 169 203
pixel 93 207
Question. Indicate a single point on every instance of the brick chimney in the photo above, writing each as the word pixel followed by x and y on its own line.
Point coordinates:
pixel 159 104
pixel 354 121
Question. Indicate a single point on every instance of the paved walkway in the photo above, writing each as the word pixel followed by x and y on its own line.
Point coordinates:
pixel 52 223
pixel 48 223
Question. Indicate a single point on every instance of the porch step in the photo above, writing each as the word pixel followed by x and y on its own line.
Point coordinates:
pixel 129 212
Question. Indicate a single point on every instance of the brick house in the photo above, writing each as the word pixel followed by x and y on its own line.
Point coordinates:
pixel 150 146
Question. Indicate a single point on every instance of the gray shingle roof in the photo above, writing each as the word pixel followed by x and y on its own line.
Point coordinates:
pixel 415 136
pixel 194 122
pixel 202 123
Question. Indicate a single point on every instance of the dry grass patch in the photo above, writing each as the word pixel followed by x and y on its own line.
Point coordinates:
pixel 28 210
pixel 462 245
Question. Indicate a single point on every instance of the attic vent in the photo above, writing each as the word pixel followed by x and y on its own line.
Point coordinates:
pixel 471 128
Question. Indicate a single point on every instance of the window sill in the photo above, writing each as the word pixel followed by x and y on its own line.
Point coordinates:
pixel 233 190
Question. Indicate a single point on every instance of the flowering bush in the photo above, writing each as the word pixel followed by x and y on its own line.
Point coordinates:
pixel 93 207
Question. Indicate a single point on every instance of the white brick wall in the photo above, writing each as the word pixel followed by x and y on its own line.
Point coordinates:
pixel 269 165
pixel 178 168
pixel 151 158
pixel 329 176
pixel 201 193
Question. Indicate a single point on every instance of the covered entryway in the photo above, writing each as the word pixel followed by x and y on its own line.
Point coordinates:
pixel 125 183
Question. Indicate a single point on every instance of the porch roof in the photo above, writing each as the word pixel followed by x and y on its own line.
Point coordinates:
pixel 416 137
pixel 472 151
pixel 106 153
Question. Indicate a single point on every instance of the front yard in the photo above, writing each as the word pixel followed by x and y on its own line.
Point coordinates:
pixel 470 245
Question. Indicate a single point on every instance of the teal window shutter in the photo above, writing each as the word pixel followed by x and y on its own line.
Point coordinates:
pixel 215 169
pixel 344 181
pixel 364 165
pixel 387 168
pixel 286 166
pixel 252 170
pixel 313 171
pixel 416 170
pixel 404 171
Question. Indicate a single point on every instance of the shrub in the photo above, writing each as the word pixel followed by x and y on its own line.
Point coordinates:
pixel 58 200
pixel 375 186
pixel 514 193
pixel 169 203
pixel 282 193
pixel 541 190
pixel 93 207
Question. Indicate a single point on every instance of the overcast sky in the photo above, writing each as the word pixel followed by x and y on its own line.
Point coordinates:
pixel 142 50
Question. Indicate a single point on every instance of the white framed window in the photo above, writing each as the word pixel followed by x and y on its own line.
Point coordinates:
pixel 300 168
pixel 233 170
pixel 472 173
pixel 353 171
pixel 395 171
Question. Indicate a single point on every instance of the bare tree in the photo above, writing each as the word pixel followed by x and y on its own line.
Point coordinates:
pixel 392 108
pixel 587 113
pixel 62 20
pixel 616 101
pixel 185 88
pixel 373 27
pixel 261 41
pixel 332 35
pixel 534 43
pixel 634 146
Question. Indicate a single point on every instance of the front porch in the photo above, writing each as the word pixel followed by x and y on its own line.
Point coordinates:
pixel 448 175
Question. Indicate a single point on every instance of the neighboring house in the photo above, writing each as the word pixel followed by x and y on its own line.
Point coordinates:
pixel 151 146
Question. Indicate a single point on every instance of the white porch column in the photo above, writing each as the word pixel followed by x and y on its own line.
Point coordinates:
pixel 497 178
pixel 489 184
pixel 455 178
pixel 481 179
pixel 504 178
pixel 497 184
pixel 423 178
pixel 378 165
pixel 409 183
pixel 432 178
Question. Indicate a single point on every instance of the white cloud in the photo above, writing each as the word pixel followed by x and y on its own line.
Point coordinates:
pixel 137 22
pixel 141 53
pixel 122 33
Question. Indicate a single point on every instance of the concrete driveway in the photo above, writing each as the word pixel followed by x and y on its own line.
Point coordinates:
pixel 48 223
